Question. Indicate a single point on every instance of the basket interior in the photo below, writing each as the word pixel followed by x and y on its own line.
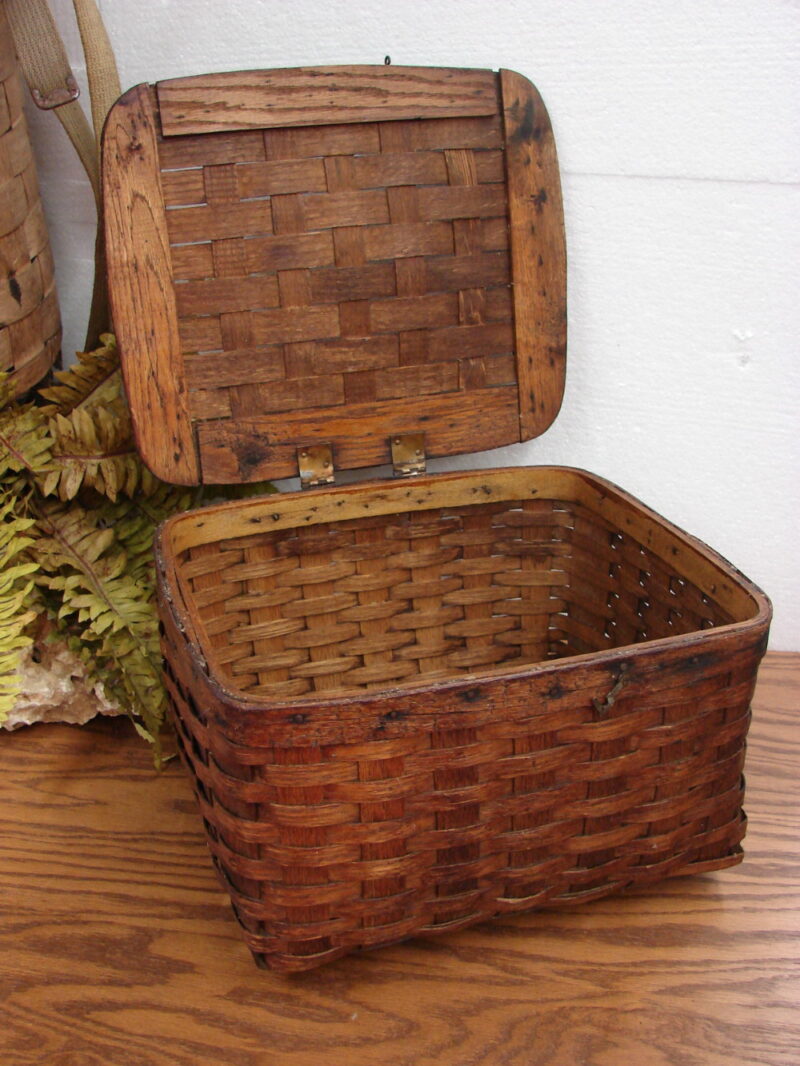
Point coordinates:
pixel 382 601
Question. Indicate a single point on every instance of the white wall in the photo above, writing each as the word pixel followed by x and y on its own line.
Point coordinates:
pixel 677 127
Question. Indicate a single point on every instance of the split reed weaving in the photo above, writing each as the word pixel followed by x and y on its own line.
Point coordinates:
pixel 370 602
pixel 342 265
pixel 336 825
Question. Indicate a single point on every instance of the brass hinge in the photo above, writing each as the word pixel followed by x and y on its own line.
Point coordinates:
pixel 408 454
pixel 315 463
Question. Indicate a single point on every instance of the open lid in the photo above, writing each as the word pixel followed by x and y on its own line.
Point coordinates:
pixel 333 255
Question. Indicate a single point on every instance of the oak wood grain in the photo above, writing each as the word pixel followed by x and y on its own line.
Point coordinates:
pixel 139 272
pixel 360 205
pixel 538 253
pixel 229 453
pixel 119 947
pixel 209 103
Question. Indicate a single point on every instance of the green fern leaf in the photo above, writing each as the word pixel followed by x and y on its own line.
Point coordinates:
pixel 135 522
pixel 144 733
pixel 164 501
pixel 216 493
pixel 127 677
pixel 113 614
pixel 82 559
pixel 15 589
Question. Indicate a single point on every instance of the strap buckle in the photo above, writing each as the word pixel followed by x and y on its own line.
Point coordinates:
pixel 58 96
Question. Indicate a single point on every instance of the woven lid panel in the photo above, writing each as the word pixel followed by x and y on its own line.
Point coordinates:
pixel 338 282
pixel 384 289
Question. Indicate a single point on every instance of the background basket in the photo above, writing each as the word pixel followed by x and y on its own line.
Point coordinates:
pixel 30 323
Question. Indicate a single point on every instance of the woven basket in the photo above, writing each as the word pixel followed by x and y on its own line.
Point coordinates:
pixel 408 722
pixel 30 325
pixel 406 706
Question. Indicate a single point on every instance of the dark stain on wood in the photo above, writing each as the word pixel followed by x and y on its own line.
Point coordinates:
pixel 525 126
pixel 249 455
pixel 472 695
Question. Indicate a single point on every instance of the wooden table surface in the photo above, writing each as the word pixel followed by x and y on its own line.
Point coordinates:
pixel 119 949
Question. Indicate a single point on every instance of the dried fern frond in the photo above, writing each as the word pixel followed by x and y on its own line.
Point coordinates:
pixel 93 447
pixel 95 378
pixel 25 441
pixel 15 589
pixel 78 513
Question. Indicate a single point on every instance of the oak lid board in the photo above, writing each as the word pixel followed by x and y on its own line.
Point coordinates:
pixel 333 255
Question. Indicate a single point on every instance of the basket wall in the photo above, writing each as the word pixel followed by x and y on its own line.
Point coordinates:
pixel 562 761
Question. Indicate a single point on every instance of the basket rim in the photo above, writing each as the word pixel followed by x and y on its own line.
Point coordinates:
pixel 213 519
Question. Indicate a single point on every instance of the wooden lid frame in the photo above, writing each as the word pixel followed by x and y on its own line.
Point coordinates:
pixel 333 255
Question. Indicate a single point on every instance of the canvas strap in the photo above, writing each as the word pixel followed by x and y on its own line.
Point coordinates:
pixel 44 63
pixel 101 67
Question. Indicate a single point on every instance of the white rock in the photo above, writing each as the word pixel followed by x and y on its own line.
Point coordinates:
pixel 56 689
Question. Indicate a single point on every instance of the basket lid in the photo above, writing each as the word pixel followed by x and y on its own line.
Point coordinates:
pixel 333 255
